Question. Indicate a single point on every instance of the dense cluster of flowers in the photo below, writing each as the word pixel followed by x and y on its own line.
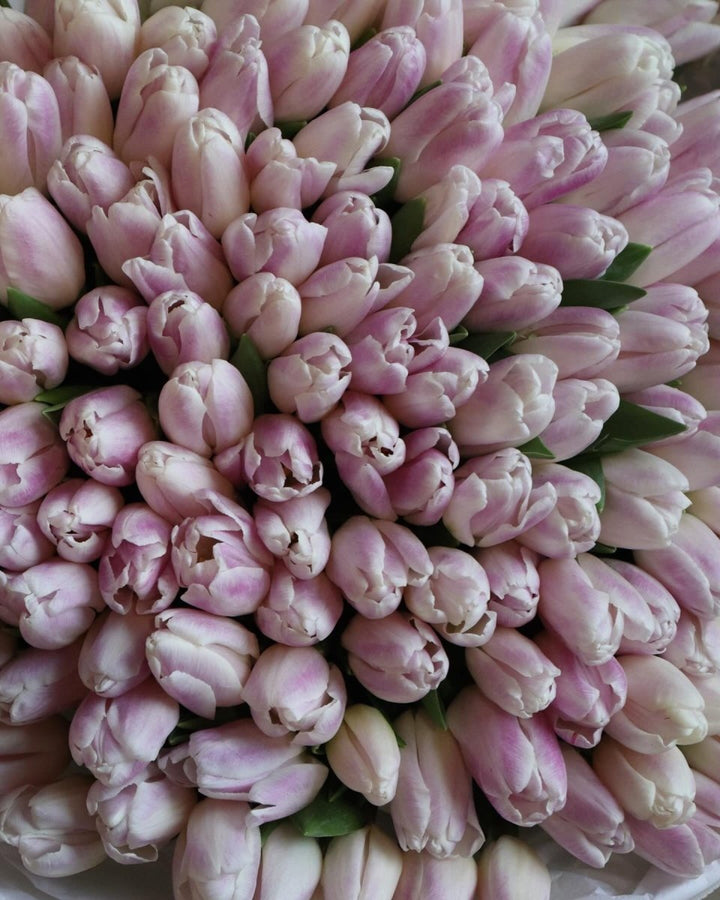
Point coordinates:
pixel 359 441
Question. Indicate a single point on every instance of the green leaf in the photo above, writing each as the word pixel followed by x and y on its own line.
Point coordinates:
pixel 253 368
pixel 627 262
pixel 58 398
pixel 600 294
pixel 603 549
pixel 486 344
pixel 535 449
pixel 384 195
pixel 633 426
pixel 325 817
pixel 459 335
pixel 23 306
pixel 407 223
pixel 612 121
pixel 592 467
pixel 433 706
pixel 290 129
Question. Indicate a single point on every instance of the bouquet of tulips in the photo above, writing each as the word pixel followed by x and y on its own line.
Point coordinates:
pixel 359 442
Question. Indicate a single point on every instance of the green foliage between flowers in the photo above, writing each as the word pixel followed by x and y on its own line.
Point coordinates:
pixel 611 122
pixel 333 812
pixel 253 368
pixel 23 306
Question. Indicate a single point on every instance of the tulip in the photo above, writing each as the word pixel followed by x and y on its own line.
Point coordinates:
pixel 674 404
pixel 12 597
pixel 494 499
pixel 437 25
pixel 497 223
pixel 338 296
pixel 217 853
pixel 22 543
pixel 348 135
pixel 643 501
pixel 702 381
pixel 299 612
pixel 681 850
pixel 425 876
pixel 663 708
pixel 310 376
pixel 306 66
pixel 516 762
pixel 108 331
pixel 591 825
pixel 362 864
pixel 24 41
pixel 662 606
pixel 513 672
pixel 582 406
pixel 421 488
pixel 446 206
pixel 364 754
pixel 32 137
pixel 204 145
pixel 136 819
pixel 39 254
pixel 77 516
pixel 117 737
pixel 102 34
pixel 516 294
pixel 296 532
pixel 38 11
pixel 33 458
pixel 33 754
pixel 187 35
pixel 201 660
pixel 51 827
pixel 454 599
pixel 695 146
pixel 112 657
pixel 706 506
pixel 398 658
pixel 163 473
pixel 696 455
pixel 267 309
pixel 708 687
pixel 290 865
pixel 356 227
pixel 386 559
pixel 33 358
pixel 279 458
pixel 134 572
pixel 514 582
pixel 221 560
pixel 238 762
pixel 384 72
pixel 183 328
pixel 357 21
pixel 83 100
pixel 272 242
pixel 38 683
pixel 279 177
pixel 509 869
pixel 153 91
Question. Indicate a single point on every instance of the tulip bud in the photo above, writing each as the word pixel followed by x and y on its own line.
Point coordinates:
pixel 497 223
pixel 514 582
pixel 290 865
pixel 295 530
pixel 582 406
pixel 437 25
pixel 365 863
pixel 183 328
pixel 201 660
pixel 516 294
pixel 38 683
pixel 83 100
pixel 398 658
pixel 357 21
pixel 39 254
pixel 112 657
pixel 280 458
pixel 339 295
pixel 36 753
pixel 22 543
pixel 425 876
pixel 33 358
pixel 33 458
pixel 187 35
pixel 356 227
pixel 24 41
pixel 299 612
pixel 265 308
pixel 509 869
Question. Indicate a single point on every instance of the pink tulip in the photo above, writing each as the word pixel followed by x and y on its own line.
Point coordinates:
pixel 112 657
pixel 497 223
pixel 582 406
pixel 509 869
pixel 280 458
pixel 182 328
pixel 661 605
pixel 362 864
pixel 265 308
pixel 82 98
pixel 24 41
pixel 33 358
pixel 39 683
pixel 425 876
pixel 516 294
pixel 339 295
pixel 514 582
pixel 33 754
pixel 22 543
pixel 695 145
pixel 187 35
pixel 437 25
pixel 290 865
pixel 356 227
pixel 33 458
pixel 296 532
pixel 356 20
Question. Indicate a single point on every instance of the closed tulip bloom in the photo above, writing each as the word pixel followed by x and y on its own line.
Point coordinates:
pixel 516 762
pixel 112 657
pixel 706 506
pixel 38 683
pixel 310 376
pixel 662 606
pixel 356 227
pixel 653 720
pixel 182 328
pixel 24 41
pixel 33 358
pixel 82 98
pixel 77 516
pixel 279 458
pixel 357 21
pixel 586 696
pixel 398 658
pixel 582 406
pixel 217 853
pixel 696 455
pixel 163 472
pixel 384 72
pixel 296 531
pixel 683 851
pixel 290 865
pixel 39 253
pixel 299 612
pixel 201 660
pixel 33 135
pixel 33 457
pixel 363 864
pixel 591 825
pixel 364 754
pixel 516 294
pixel 644 501
pixel 36 753
pixel 438 25
pixel 513 672
pixel 134 572
pixel 454 599
pixel 306 66
pixel 267 309
pixel 221 560
pixel 494 499
pixel 137 819
pixel 695 648
pixel 339 295
pixel 103 34
pixel 51 827
pixel 446 206
pixel 674 404
pixel 709 689
pixel 22 543
pixel 509 869
pixel 511 570
pixel 695 147
pixel 423 875
pixel 497 223
pixel 386 559
pixel 187 35
pixel 153 91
